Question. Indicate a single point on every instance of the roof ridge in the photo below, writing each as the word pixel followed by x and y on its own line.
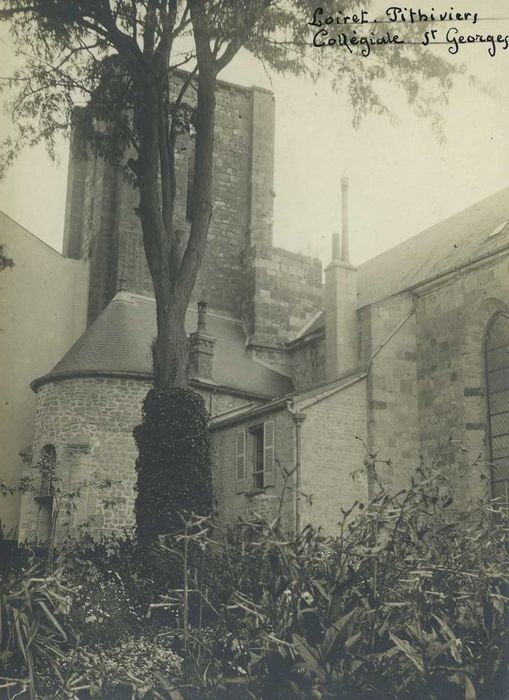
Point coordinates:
pixel 442 222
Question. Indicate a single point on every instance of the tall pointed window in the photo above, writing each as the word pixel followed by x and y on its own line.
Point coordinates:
pixel 497 393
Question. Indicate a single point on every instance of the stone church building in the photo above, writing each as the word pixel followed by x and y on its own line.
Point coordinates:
pixel 304 374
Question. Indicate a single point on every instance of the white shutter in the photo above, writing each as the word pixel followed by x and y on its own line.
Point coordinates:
pixel 240 461
pixel 268 453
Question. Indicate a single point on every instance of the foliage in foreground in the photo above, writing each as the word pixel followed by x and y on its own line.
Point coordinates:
pixel 33 634
pixel 409 601
pixel 79 632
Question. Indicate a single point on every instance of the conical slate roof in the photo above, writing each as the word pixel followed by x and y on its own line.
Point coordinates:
pixel 118 343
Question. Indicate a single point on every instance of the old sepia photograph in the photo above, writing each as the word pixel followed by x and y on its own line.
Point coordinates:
pixel 254 350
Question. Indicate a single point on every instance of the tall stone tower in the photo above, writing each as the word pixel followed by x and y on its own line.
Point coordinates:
pixel 242 276
pixel 101 221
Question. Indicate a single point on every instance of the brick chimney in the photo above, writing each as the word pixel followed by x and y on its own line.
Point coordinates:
pixel 201 347
pixel 341 343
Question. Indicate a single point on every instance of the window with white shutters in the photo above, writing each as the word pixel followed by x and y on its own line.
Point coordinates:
pixel 254 457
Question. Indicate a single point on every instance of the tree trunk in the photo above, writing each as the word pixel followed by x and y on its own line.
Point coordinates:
pixel 170 347
pixel 174 274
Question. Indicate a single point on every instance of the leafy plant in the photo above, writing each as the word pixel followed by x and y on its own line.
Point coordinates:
pixel 33 629
pixel 146 668
pixel 410 600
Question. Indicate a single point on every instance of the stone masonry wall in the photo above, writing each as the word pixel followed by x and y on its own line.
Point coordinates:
pixel 75 201
pixel 90 423
pixel 332 456
pixel 308 361
pixel 233 505
pixel 101 206
pixel 451 323
pixel 283 291
pixel 389 338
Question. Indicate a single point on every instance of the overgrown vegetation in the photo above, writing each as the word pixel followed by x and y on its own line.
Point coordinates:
pixel 410 600
pixel 174 461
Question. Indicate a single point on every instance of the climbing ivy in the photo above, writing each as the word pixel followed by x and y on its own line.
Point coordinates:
pixel 174 461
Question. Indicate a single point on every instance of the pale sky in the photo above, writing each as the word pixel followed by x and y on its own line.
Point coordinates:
pixel 402 179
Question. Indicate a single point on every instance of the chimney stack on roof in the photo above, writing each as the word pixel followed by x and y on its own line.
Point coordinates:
pixel 336 255
pixel 201 347
pixel 345 252
pixel 341 345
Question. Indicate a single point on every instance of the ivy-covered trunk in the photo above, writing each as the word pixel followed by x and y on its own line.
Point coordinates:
pixel 174 462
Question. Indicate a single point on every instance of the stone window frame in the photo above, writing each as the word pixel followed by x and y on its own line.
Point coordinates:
pixel 498 410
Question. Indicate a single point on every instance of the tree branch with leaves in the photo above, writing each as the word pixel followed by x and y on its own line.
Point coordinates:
pixel 119 57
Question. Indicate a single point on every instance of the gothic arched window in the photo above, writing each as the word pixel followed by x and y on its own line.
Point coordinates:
pixel 497 394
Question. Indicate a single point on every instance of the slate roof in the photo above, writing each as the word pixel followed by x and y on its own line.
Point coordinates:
pixel 301 399
pixel 118 343
pixel 446 246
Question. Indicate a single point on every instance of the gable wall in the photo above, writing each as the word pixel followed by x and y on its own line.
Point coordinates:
pixel 308 361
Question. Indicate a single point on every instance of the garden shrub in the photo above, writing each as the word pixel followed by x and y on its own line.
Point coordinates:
pixel 81 631
pixel 174 461
pixel 115 580
pixel 409 601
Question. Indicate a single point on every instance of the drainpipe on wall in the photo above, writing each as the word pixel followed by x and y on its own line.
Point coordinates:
pixel 298 419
